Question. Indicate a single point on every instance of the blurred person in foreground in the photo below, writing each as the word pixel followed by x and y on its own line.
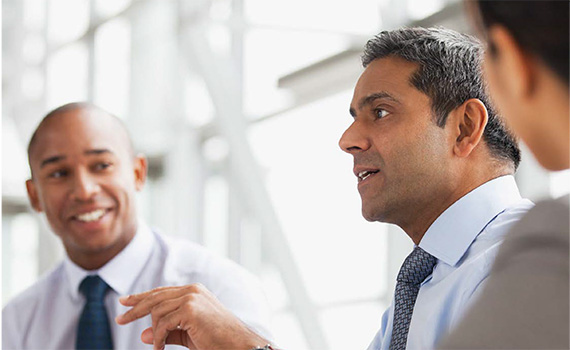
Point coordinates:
pixel 85 176
pixel 525 303
pixel 431 156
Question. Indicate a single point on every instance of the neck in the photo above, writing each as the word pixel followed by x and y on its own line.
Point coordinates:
pixel 93 258
pixel 92 261
pixel 469 179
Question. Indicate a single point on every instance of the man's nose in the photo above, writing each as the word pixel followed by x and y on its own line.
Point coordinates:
pixel 354 139
pixel 85 186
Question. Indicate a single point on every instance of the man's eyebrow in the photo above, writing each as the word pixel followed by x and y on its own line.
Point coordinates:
pixel 97 151
pixel 50 160
pixel 370 98
pixel 56 159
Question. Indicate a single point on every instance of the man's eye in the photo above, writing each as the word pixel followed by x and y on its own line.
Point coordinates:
pixel 58 174
pixel 380 113
pixel 102 166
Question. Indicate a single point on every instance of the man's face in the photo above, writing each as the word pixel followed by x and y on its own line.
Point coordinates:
pixel 85 179
pixel 401 157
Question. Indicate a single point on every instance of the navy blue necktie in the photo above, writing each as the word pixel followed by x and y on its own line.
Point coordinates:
pixel 94 331
pixel 417 266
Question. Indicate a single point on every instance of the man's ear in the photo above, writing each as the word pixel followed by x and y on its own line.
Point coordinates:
pixel 33 195
pixel 141 169
pixel 469 122
pixel 513 67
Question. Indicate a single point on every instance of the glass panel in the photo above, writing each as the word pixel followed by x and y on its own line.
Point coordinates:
pixel 15 168
pixel 24 252
pixel 362 319
pixel 559 183
pixel 220 39
pixel 68 20
pixel 34 14
pixel 418 9
pixel 34 49
pixel 67 76
pixel 216 215
pixel 270 54
pixel 287 332
pixel 197 101
pixel 220 10
pixel 314 192
pixel 274 288
pixel 357 16
pixel 33 84
pixel 112 66
pixel 106 8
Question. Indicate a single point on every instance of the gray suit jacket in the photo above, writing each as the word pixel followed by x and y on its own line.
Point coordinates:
pixel 525 302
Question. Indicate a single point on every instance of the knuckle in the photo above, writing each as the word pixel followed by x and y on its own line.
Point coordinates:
pixel 199 287
pixel 195 288
pixel 188 309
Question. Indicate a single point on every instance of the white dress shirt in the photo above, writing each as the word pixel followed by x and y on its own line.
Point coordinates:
pixel 46 315
pixel 464 239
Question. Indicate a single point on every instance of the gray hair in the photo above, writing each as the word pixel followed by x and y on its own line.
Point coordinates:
pixel 449 73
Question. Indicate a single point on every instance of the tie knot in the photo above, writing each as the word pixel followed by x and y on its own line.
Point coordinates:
pixel 93 288
pixel 417 266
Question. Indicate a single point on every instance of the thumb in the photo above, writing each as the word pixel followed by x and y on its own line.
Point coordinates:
pixel 146 336
pixel 174 337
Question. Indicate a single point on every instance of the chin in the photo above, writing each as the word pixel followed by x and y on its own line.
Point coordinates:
pixel 371 215
pixel 378 213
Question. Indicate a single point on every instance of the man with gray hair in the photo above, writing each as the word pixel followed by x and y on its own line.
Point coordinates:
pixel 430 156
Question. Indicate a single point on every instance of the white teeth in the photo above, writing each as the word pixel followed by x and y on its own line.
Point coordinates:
pixel 364 174
pixel 91 216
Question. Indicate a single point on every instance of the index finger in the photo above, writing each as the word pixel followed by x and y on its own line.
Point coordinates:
pixel 144 303
pixel 133 299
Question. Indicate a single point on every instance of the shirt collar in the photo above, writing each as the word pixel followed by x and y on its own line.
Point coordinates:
pixel 121 272
pixel 452 233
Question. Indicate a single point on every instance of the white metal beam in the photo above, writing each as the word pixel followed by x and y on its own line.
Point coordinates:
pixel 221 80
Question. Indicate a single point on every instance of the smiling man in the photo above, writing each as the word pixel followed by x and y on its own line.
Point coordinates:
pixel 432 157
pixel 85 175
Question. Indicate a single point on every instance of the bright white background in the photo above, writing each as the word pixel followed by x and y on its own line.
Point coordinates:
pixel 239 160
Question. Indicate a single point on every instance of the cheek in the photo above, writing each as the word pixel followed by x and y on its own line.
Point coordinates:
pixel 122 192
pixel 503 104
pixel 497 91
pixel 52 201
pixel 489 73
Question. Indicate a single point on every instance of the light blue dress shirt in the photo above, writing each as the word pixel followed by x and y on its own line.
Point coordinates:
pixel 464 239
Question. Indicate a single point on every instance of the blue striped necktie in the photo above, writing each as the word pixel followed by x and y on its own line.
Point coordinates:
pixel 94 331
pixel 417 266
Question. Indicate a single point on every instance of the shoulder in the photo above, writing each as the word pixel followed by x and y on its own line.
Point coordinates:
pixel 548 215
pixel 22 307
pixel 535 254
pixel 503 222
pixel 548 220
pixel 188 262
pixel 36 290
pixel 542 235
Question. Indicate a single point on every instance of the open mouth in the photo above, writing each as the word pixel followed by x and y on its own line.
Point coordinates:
pixel 91 216
pixel 363 175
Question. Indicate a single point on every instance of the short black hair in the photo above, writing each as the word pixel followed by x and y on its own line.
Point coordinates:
pixel 540 27
pixel 71 107
pixel 450 73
